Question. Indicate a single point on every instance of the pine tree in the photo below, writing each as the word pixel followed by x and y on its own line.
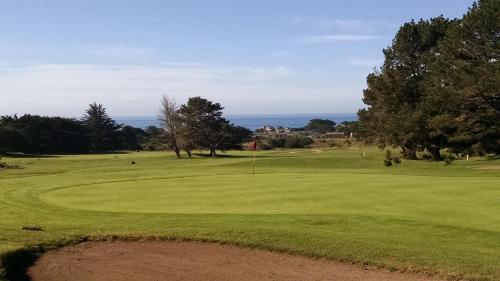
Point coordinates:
pixel 464 81
pixel 103 132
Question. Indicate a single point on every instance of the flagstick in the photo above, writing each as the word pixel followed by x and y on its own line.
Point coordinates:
pixel 253 164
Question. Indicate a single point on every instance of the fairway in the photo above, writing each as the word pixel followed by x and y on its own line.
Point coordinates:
pixel 416 216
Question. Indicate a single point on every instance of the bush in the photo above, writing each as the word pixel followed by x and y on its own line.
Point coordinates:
pixel 298 142
pixel 492 156
pixel 286 142
pixel 388 158
pixel 278 142
pixel 265 145
pixel 426 156
pixel 396 160
pixel 449 159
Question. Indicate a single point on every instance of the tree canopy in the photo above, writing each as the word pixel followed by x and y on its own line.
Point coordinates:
pixel 320 126
pixel 204 127
pixel 438 86
pixel 102 129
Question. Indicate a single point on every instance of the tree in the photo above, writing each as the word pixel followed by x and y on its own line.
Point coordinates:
pixel 320 126
pixel 132 138
pixel 203 124
pixel 464 81
pixel 42 134
pixel 155 138
pixel 349 127
pixel 395 115
pixel 103 131
pixel 233 137
pixel 171 122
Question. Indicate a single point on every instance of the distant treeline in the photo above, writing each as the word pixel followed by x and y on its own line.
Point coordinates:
pixel 49 135
pixel 97 132
pixel 439 86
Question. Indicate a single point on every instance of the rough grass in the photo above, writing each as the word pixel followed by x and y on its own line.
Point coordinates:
pixel 416 216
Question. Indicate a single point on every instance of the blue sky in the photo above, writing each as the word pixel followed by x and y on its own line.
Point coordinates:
pixel 254 57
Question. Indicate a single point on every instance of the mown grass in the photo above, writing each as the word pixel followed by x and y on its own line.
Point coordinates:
pixel 417 216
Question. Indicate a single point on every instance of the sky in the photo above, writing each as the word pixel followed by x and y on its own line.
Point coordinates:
pixel 254 57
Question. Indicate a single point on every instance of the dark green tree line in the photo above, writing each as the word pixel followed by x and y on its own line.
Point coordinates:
pixel 52 135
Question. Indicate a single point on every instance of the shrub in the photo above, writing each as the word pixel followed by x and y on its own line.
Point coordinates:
pixel 426 156
pixel 278 142
pixel 388 158
pixel 492 156
pixel 265 145
pixel 297 142
pixel 449 159
pixel 396 160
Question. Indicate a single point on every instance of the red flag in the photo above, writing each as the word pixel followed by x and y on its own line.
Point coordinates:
pixel 254 146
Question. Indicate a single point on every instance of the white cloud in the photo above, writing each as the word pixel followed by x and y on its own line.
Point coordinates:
pixel 65 89
pixel 318 39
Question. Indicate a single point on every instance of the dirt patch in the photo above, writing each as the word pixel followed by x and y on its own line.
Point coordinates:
pixel 172 260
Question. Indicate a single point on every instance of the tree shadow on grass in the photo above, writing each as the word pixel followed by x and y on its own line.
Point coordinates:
pixel 35 155
pixel 27 155
pixel 206 155
pixel 14 264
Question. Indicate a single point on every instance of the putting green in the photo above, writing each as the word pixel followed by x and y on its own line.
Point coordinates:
pixel 397 196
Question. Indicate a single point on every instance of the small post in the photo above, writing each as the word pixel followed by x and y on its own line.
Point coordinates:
pixel 253 164
pixel 254 148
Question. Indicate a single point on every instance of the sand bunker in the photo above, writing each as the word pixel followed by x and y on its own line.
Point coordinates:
pixel 172 260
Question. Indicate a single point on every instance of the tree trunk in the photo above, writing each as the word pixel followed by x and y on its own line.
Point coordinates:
pixel 434 151
pixel 177 152
pixel 188 152
pixel 212 152
pixel 176 149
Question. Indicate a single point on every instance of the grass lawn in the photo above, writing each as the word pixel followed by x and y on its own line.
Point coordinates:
pixel 417 216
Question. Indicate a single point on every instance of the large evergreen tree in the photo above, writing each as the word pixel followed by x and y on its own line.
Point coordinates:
pixel 395 94
pixel 204 123
pixel 464 81
pixel 103 132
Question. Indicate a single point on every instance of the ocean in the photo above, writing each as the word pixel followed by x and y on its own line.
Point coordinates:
pixel 251 122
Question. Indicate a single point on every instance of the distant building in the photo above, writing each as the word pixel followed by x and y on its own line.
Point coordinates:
pixel 281 129
pixel 269 129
